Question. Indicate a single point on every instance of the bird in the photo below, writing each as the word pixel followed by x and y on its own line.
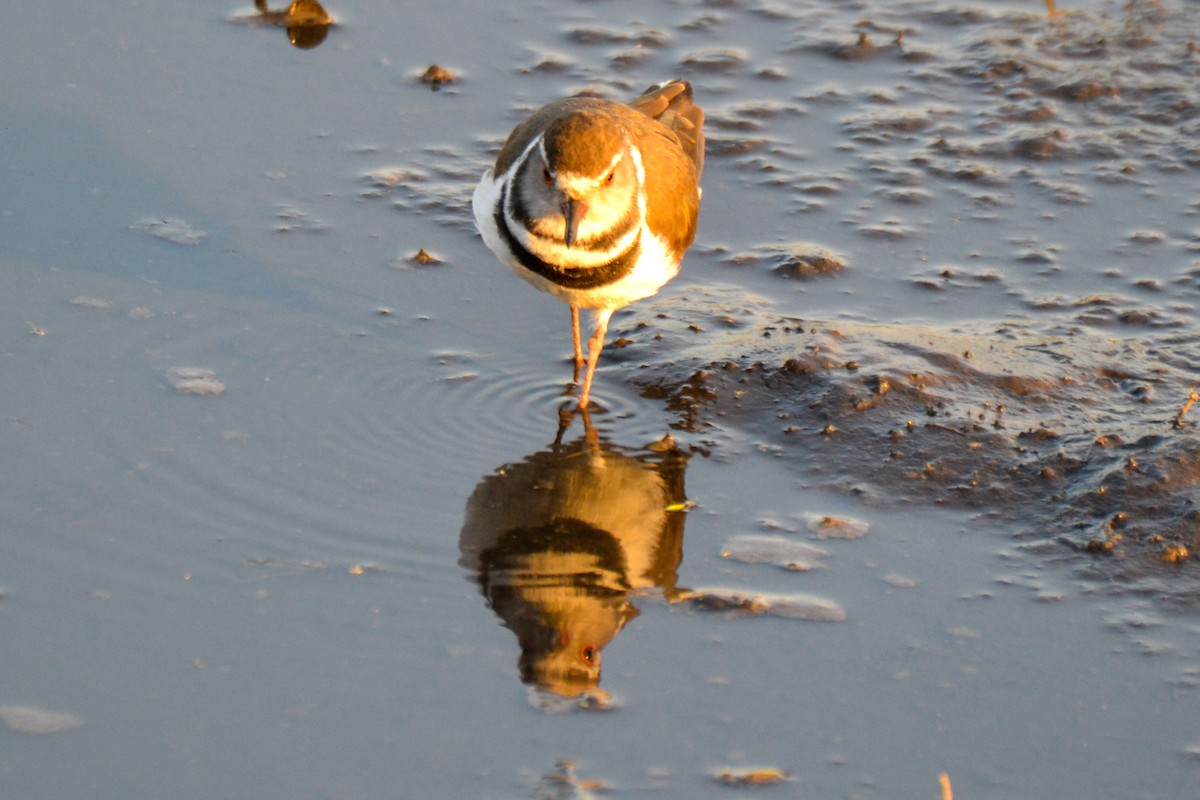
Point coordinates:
pixel 565 542
pixel 596 201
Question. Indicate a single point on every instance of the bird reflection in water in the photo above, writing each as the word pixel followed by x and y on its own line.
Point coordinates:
pixel 307 23
pixel 561 541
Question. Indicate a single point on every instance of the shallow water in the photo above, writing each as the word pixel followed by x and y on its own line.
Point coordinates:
pixel 245 449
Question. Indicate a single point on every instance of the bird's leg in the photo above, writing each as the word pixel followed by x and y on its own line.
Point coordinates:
pixel 565 418
pixel 575 340
pixel 595 344
pixel 589 432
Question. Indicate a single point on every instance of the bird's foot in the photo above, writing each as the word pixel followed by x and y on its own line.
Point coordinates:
pixel 566 417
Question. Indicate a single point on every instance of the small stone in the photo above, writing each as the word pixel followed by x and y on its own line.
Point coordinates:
pixel 808 261
pixel 435 77
pixel 424 258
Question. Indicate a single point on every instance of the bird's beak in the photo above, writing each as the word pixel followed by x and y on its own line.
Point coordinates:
pixel 573 211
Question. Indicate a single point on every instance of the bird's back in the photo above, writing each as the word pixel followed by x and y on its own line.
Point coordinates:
pixel 671 103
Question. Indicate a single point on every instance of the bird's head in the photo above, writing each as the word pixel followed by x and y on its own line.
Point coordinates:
pixel 581 182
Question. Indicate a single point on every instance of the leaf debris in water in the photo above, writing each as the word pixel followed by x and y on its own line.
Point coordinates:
pixel 28 719
pixel 789 606
pixel 749 776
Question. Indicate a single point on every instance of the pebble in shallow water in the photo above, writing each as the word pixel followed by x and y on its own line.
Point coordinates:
pixel 797 261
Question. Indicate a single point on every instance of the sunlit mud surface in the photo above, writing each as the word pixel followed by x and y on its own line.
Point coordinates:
pixel 897 479
pixel 1058 434
pixel 1055 406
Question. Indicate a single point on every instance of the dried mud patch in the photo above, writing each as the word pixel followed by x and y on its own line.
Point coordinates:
pixel 1062 438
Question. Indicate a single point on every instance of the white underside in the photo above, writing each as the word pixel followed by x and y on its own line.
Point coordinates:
pixel 653 269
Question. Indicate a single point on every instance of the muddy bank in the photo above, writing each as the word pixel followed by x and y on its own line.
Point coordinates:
pixel 997 307
pixel 1065 438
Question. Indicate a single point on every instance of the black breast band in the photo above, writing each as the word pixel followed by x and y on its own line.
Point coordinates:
pixel 575 278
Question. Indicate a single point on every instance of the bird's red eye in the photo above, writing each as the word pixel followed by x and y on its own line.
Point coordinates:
pixel 608 179
pixel 546 175
pixel 588 655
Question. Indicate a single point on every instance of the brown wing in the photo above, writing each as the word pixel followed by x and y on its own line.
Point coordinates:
pixel 671 104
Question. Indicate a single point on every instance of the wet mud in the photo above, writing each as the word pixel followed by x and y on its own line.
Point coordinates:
pixel 1068 439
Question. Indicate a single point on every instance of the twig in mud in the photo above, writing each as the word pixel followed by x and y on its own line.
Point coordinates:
pixel 1192 398
pixel 944 780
